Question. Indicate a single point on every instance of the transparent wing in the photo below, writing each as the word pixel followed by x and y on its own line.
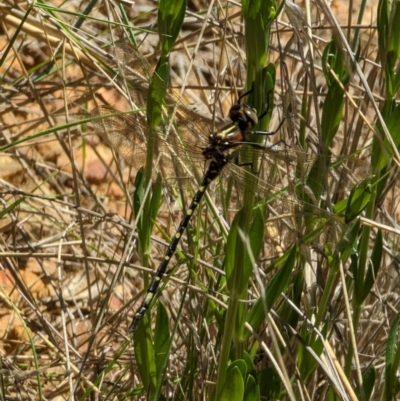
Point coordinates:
pixel 286 184
pixel 294 200
pixel 138 72
pixel 128 135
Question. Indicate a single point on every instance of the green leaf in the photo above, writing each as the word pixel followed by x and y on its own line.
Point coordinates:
pixel 162 349
pixel 256 242
pixel 295 293
pixel 251 369
pixel 388 15
pixel 161 338
pixel 369 378
pixel 383 17
pixel 239 364
pixel 258 15
pixel 233 388
pixel 331 115
pixel 316 181
pixel 270 384
pixel 144 226
pixel 155 202
pixel 380 154
pixel 251 390
pixel 275 287
pixel 307 362
pixel 373 267
pixel 354 270
pixel 170 18
pixel 392 362
pixel 394 37
pixel 334 101
pixel 139 191
pixel 11 207
pixel 144 355
pixel 156 94
pixel 256 237
pixel 348 243
pixel 359 199
pixel 340 207
pixel 331 59
pixel 230 256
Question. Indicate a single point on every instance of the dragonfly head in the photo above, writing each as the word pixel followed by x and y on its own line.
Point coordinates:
pixel 244 116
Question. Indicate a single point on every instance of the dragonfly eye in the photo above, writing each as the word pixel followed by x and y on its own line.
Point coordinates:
pixel 251 115
pixel 244 115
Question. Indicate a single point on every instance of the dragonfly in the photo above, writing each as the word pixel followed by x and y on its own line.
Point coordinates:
pixel 218 150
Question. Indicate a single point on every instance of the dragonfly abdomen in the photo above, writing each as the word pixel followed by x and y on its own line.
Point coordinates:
pixel 213 171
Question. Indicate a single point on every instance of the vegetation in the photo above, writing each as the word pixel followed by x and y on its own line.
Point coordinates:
pixel 285 284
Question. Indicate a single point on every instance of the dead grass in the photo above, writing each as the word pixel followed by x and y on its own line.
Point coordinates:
pixel 71 265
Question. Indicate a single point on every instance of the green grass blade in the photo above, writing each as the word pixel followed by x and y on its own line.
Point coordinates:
pixel 373 267
pixel 334 102
pixel 161 338
pixel 145 356
pixel 369 379
pixel 274 288
pixel 359 198
pixel 170 18
pixel 392 360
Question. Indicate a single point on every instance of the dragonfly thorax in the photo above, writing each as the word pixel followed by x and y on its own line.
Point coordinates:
pixel 222 143
pixel 244 116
